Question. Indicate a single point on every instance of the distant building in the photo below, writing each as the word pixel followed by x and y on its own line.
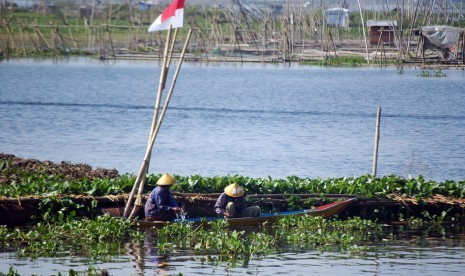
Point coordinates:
pixel 337 17
pixel 382 31
pixel 446 39
pixel 145 5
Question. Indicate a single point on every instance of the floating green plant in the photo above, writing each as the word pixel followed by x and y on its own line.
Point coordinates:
pixel 400 69
pixel 435 74
pixel 45 184
pixel 11 272
pixel 234 245
pixel 97 238
pixel 337 61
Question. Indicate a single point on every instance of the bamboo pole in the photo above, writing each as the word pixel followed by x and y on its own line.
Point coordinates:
pixel 171 50
pixel 36 47
pixel 162 115
pixel 10 35
pixel 23 44
pixel 463 48
pixel 364 35
pixel 375 155
pixel 167 61
pixel 143 168
pixel 41 38
pixel 73 38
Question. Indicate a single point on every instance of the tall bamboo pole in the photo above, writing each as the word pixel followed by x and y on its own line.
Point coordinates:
pixel 364 35
pixel 160 119
pixel 375 155
pixel 143 168
pixel 20 29
pixel 155 124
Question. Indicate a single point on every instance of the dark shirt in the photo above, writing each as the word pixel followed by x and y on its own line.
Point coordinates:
pixel 224 199
pixel 160 200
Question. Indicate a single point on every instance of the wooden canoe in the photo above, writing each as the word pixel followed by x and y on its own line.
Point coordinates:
pixel 325 211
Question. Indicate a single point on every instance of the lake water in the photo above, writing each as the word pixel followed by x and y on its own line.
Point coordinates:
pixel 250 119
pixel 428 252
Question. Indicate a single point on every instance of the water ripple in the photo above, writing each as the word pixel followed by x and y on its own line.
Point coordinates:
pixel 240 111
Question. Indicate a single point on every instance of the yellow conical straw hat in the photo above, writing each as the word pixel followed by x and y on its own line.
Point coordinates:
pixel 165 180
pixel 234 190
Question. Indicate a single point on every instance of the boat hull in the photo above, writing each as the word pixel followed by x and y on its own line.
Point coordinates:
pixel 325 211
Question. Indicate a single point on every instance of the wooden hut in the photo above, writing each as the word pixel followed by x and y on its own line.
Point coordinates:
pixel 447 40
pixel 382 32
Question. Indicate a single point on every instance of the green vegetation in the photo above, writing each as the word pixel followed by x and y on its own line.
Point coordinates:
pixel 41 183
pixel 337 61
pixel 11 272
pixel 60 210
pixel 66 192
pixel 45 182
pixel 435 74
pixel 367 185
pixel 64 227
pixel 97 238
pixel 103 237
pixel 314 233
pixel 400 69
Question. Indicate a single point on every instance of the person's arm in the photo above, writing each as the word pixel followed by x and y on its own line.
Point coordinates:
pixel 219 205
pixel 174 206
pixel 172 200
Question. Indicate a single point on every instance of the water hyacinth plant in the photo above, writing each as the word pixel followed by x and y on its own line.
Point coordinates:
pixel 43 183
pixel 60 187
pixel 98 238
pixel 233 245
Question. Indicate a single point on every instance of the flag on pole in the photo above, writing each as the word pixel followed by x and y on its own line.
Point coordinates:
pixel 172 15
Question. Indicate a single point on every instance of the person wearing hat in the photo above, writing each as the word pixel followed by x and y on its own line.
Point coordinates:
pixel 160 205
pixel 231 203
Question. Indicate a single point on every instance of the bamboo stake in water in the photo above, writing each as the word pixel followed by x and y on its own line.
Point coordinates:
pixel 144 165
pixel 160 120
pixel 375 157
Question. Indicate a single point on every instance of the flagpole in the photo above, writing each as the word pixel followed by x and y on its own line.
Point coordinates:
pixel 160 119
pixel 172 46
pixel 172 17
pixel 155 124
pixel 161 84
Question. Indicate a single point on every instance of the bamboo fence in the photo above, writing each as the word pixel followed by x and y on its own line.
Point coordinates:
pixel 242 31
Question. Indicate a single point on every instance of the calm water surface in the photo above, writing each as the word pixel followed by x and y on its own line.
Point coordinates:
pixel 252 120
pixel 426 252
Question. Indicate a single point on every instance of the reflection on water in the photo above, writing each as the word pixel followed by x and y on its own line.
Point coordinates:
pixel 395 251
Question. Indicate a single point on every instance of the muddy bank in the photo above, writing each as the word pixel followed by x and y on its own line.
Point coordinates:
pixel 68 171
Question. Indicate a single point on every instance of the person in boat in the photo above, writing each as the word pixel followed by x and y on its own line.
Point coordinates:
pixel 161 205
pixel 231 203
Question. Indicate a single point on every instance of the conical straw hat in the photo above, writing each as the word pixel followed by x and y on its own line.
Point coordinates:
pixel 234 190
pixel 166 180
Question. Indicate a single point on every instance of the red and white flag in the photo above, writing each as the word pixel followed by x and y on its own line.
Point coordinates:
pixel 172 15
